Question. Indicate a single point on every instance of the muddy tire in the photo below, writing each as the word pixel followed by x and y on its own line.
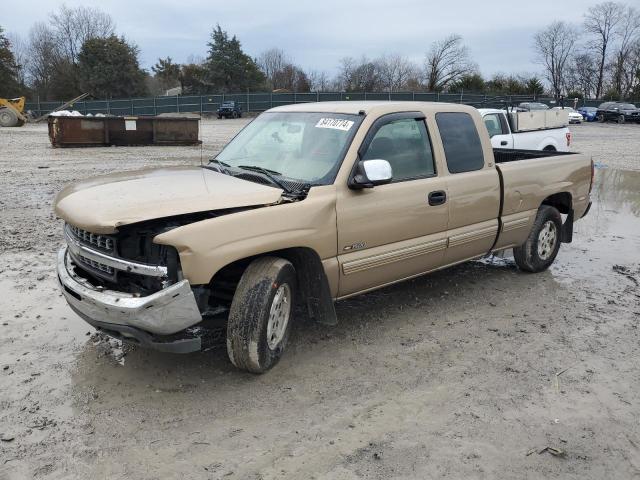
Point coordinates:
pixel 8 118
pixel 261 314
pixel 541 247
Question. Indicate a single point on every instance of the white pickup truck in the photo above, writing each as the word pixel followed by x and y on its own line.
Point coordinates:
pixel 503 136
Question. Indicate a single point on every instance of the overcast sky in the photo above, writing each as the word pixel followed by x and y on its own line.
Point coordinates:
pixel 316 35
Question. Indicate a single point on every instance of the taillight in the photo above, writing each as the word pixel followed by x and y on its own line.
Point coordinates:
pixel 568 135
pixel 593 171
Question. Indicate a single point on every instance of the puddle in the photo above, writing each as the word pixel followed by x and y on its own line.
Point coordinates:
pixel 610 233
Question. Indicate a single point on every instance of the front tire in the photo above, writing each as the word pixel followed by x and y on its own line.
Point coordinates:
pixel 261 314
pixel 621 119
pixel 8 118
pixel 540 249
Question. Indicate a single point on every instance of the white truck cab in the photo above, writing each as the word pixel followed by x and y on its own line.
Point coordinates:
pixel 502 135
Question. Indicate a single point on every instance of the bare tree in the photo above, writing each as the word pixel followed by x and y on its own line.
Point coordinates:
pixel 601 21
pixel 446 62
pixel 628 33
pixel 42 58
pixel 553 46
pixel 319 81
pixel 359 75
pixel 582 73
pixel 631 72
pixel 74 26
pixel 395 71
pixel 20 49
pixel 272 62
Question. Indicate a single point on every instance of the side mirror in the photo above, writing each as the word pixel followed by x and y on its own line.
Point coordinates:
pixel 370 173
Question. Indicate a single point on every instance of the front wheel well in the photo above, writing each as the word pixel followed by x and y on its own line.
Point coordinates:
pixel 315 293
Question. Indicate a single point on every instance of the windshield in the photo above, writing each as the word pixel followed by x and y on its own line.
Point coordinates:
pixel 627 106
pixel 307 147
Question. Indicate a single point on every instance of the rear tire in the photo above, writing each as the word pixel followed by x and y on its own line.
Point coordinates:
pixel 8 118
pixel 600 118
pixel 540 249
pixel 261 314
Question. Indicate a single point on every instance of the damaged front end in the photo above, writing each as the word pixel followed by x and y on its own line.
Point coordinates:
pixel 131 288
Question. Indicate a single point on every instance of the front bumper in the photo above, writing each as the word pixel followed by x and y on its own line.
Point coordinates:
pixel 143 320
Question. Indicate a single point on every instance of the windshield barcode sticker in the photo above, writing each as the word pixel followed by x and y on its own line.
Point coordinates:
pixel 336 123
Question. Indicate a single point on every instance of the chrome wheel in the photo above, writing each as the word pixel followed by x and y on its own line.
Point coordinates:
pixel 547 239
pixel 279 314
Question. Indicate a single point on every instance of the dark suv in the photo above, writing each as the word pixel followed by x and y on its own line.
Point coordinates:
pixel 229 109
pixel 618 111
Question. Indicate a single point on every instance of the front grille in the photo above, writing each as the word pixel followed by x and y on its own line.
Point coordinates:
pixel 96 265
pixel 101 241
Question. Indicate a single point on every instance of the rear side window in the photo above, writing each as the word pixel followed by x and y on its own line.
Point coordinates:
pixel 492 122
pixel 461 142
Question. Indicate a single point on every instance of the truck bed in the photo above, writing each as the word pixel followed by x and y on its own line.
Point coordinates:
pixel 505 155
pixel 527 177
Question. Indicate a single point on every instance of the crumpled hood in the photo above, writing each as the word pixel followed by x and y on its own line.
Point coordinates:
pixel 101 204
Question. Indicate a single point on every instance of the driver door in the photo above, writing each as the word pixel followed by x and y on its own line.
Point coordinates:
pixel 398 230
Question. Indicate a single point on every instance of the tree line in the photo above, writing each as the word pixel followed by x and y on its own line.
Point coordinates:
pixel 78 50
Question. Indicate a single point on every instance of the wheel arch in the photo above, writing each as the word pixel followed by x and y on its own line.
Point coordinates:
pixel 563 202
pixel 313 284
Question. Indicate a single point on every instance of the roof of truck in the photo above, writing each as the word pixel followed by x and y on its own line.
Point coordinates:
pixel 379 107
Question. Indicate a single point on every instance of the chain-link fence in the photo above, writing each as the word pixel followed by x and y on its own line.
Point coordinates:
pixel 259 102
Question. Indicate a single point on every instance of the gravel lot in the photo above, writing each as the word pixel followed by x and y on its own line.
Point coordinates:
pixel 460 374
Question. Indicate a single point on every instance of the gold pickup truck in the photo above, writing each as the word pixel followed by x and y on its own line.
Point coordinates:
pixel 307 205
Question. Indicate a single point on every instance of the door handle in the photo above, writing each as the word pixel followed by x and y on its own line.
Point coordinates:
pixel 437 198
pixel 503 142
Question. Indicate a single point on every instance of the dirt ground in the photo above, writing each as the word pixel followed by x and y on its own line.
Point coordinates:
pixel 466 373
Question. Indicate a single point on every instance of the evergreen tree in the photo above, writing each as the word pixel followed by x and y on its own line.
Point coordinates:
pixel 9 85
pixel 108 67
pixel 229 69
pixel 192 77
pixel 167 73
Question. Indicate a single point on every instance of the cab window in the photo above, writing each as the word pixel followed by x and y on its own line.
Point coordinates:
pixel 405 144
pixel 462 146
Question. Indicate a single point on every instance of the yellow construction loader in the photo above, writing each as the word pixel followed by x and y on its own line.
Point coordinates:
pixel 12 112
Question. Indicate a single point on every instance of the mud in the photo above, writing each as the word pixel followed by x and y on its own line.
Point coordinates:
pixel 467 373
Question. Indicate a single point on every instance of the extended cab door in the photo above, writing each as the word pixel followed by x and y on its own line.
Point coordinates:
pixel 498 129
pixel 398 230
pixel 473 187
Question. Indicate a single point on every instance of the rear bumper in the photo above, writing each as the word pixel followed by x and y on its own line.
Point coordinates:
pixel 143 320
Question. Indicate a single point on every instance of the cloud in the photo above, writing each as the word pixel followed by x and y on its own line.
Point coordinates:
pixel 316 35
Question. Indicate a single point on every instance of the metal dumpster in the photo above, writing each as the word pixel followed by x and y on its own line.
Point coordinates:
pixel 80 131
